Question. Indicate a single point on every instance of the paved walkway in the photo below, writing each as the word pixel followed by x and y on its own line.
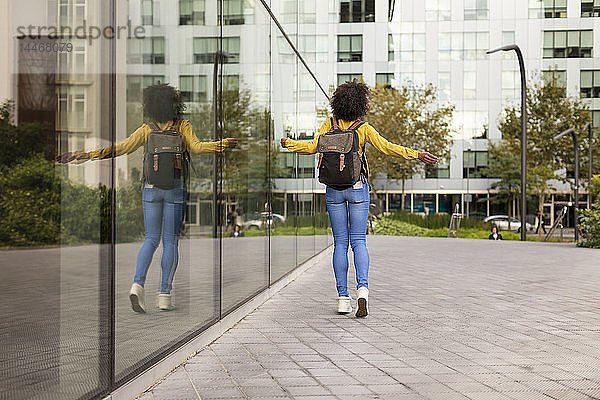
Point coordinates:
pixel 450 319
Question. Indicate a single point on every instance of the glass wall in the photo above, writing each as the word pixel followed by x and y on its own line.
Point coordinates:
pixel 82 224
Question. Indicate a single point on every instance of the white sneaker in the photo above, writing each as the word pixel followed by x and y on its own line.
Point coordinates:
pixel 344 305
pixel 363 298
pixel 138 298
pixel 164 302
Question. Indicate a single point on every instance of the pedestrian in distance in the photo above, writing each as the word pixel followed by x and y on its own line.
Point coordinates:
pixel 167 139
pixel 343 168
pixel 237 232
pixel 495 235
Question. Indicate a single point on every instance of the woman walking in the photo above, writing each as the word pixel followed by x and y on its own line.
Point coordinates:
pixel 348 207
pixel 167 139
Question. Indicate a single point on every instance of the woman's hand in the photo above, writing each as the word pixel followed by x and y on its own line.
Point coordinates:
pixel 232 142
pixel 427 158
pixel 283 140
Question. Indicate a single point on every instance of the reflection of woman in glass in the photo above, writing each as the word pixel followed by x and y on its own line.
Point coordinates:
pixel 348 208
pixel 164 206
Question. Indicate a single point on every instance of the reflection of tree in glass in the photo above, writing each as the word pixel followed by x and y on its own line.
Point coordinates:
pixel 244 170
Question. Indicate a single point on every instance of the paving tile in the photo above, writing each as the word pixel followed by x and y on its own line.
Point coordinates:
pixel 472 324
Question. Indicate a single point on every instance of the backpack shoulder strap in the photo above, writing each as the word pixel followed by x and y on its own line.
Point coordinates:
pixel 334 124
pixel 176 125
pixel 356 125
pixel 153 126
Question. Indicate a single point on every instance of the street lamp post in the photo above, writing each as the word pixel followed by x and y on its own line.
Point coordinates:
pixel 523 133
pixel 576 191
pixel 588 126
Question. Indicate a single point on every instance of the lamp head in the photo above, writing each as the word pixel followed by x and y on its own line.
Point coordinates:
pixel 563 134
pixel 503 48
pixel 587 126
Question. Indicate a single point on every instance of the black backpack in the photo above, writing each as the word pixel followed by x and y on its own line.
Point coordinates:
pixel 340 164
pixel 165 157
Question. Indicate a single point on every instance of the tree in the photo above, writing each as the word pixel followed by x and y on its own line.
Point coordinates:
pixel 550 111
pixel 410 116
pixel 504 164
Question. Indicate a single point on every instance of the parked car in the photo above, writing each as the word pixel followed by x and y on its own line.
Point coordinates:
pixel 501 221
pixel 256 222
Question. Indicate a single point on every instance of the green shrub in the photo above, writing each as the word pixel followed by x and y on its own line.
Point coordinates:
pixel 435 221
pixel 590 221
pixel 391 227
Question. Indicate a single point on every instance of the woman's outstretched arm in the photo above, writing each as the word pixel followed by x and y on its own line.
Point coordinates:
pixel 196 146
pixel 306 147
pixel 395 150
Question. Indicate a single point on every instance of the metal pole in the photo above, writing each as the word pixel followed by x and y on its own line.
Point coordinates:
pixel 589 197
pixel 575 143
pixel 523 133
pixel 523 144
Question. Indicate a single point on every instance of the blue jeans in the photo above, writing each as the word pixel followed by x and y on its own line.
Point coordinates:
pixel 163 213
pixel 348 212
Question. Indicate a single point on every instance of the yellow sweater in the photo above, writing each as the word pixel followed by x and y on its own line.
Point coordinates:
pixel 366 133
pixel 139 137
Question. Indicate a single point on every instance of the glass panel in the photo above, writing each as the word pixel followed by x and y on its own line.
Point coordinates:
pixel 548 40
pixel 560 39
pixel 573 38
pixel 587 39
pixel 55 217
pixel 284 164
pixel 343 43
pixel 165 236
pixel 586 79
pixel 356 43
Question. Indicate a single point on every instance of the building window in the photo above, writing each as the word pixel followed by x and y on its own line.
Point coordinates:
pixel 444 86
pixel 596 119
pixel 357 11
pixel 463 45
pixel 476 9
pixel 440 171
pixel 469 85
pixel 307 13
pixel 146 51
pixel 437 10
pixel 390 47
pixel 137 83
pixel 192 88
pixel 349 48
pixel 235 12
pixel 384 79
pixel 511 84
pixel 205 49
pixel 412 47
pixel 147 12
pixel 560 76
pixel 590 84
pixel 568 44
pixel 231 83
pixel 191 12
pixel 474 124
pixel 314 48
pixel 474 164
pixel 590 8
pixel 555 8
pixel 342 78
pixel 535 8
pixel 475 45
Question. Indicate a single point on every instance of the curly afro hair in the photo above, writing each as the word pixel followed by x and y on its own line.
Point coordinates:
pixel 350 101
pixel 162 103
